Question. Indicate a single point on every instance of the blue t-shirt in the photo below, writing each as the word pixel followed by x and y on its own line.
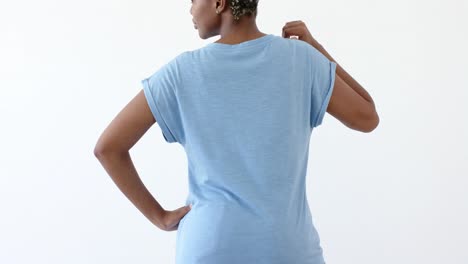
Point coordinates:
pixel 244 114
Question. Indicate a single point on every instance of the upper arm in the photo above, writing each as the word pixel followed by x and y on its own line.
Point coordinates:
pixel 130 124
pixel 350 108
pixel 163 95
pixel 330 93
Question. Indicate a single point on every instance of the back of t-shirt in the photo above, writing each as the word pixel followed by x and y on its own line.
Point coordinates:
pixel 244 114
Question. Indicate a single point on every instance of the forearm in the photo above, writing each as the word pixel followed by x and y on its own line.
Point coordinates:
pixel 122 171
pixel 345 76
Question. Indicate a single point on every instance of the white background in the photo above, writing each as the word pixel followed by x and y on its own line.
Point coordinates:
pixel 396 195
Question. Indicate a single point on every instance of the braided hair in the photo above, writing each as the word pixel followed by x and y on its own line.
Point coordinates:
pixel 243 7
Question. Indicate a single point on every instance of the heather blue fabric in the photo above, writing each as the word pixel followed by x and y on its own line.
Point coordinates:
pixel 244 115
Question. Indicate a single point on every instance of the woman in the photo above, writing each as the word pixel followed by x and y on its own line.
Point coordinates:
pixel 243 108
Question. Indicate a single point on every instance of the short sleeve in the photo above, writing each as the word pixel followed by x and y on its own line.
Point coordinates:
pixel 160 90
pixel 323 79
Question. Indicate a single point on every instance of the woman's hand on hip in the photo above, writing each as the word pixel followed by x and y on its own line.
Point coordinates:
pixel 170 219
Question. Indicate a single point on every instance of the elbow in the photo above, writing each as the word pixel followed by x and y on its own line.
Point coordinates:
pixel 101 151
pixel 365 121
pixel 98 151
pixel 371 123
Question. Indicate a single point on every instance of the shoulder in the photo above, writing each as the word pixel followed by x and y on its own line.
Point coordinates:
pixel 179 59
pixel 175 66
pixel 293 47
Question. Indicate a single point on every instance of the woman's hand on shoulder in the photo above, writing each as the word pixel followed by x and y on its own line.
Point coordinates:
pixel 299 28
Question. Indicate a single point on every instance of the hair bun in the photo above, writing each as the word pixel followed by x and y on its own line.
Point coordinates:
pixel 242 7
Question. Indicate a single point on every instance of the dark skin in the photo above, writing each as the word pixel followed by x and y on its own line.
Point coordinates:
pixel 210 24
pixel 350 104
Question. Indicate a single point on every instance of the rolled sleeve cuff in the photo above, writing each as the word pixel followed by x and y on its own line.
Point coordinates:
pixel 168 136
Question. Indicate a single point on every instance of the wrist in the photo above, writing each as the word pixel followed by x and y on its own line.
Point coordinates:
pixel 317 45
pixel 157 218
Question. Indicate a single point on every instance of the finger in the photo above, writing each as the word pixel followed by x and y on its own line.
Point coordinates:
pixel 293 31
pixel 291 35
pixel 183 210
pixel 294 28
pixel 294 23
